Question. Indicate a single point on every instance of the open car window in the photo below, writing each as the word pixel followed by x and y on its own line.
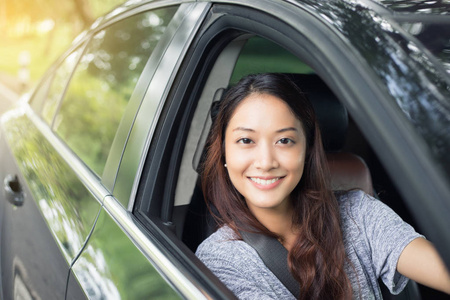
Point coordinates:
pixel 170 196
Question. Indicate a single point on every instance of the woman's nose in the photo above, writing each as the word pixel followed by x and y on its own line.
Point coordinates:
pixel 265 158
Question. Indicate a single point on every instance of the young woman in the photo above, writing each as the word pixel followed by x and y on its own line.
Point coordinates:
pixel 265 169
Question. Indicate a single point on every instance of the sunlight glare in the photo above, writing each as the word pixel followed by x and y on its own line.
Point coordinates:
pixel 45 26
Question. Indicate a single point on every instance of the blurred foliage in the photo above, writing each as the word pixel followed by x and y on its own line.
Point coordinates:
pixel 43 28
pixel 24 12
pixel 41 55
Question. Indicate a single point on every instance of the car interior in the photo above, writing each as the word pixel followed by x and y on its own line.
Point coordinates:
pixel 352 162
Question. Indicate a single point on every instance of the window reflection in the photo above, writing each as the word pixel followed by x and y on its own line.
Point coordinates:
pixel 59 82
pixel 67 206
pixel 413 79
pixel 418 6
pixel 103 83
pixel 100 268
pixel 435 37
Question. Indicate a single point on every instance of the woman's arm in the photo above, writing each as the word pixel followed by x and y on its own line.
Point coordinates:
pixel 421 262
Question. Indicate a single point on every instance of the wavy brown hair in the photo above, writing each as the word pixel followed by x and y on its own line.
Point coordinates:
pixel 317 258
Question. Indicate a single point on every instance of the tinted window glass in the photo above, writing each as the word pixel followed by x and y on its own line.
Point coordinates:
pixel 434 36
pixel 103 83
pixel 59 81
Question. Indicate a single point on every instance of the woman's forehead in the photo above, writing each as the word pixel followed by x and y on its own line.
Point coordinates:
pixel 263 111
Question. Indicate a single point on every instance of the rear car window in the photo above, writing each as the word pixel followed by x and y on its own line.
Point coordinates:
pixel 58 83
pixel 103 82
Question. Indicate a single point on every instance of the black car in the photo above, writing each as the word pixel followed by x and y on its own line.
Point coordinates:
pixel 101 196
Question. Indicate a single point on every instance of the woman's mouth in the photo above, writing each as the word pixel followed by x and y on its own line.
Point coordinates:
pixel 264 181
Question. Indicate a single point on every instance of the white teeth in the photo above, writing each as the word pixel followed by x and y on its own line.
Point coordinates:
pixel 264 182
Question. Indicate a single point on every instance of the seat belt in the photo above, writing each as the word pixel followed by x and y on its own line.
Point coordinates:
pixel 274 256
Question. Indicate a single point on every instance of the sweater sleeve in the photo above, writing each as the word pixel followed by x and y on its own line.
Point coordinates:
pixel 387 235
pixel 240 268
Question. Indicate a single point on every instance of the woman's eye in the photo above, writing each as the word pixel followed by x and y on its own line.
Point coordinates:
pixel 244 141
pixel 285 141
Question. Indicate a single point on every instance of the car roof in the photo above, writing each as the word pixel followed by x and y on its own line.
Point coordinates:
pixel 394 9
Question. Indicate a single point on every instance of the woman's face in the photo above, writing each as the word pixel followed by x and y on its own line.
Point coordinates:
pixel 265 152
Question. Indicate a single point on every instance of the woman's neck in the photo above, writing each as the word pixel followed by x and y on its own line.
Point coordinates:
pixel 280 223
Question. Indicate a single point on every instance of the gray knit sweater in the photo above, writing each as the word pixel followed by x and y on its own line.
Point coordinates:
pixel 374 237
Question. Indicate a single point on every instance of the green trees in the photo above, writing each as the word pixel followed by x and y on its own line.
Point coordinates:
pixel 44 28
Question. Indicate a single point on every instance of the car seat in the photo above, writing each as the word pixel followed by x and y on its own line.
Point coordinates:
pixel 348 171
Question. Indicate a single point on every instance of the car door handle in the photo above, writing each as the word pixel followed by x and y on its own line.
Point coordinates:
pixel 13 190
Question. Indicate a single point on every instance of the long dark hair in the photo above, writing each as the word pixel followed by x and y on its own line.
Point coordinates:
pixel 317 258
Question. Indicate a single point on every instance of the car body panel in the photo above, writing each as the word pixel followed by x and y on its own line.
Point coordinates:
pixel 61 210
pixel 112 267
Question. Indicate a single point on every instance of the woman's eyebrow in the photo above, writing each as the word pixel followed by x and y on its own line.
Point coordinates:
pixel 278 131
pixel 287 129
pixel 243 129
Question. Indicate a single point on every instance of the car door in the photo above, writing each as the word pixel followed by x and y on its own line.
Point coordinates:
pixel 50 212
pixel 60 158
pixel 121 259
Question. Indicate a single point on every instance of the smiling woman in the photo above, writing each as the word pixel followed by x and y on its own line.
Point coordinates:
pixel 265 172
pixel 265 153
pixel 282 141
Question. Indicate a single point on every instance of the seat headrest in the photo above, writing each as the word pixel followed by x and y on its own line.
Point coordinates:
pixel 331 114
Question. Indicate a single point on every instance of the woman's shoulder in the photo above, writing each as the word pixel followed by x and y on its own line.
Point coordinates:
pixel 224 243
pixel 358 208
pixel 351 195
pixel 223 235
pixel 361 212
pixel 238 265
pixel 354 202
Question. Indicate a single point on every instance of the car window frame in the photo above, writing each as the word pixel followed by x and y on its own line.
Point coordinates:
pixel 340 59
pixel 147 238
pixel 154 90
pixel 113 159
